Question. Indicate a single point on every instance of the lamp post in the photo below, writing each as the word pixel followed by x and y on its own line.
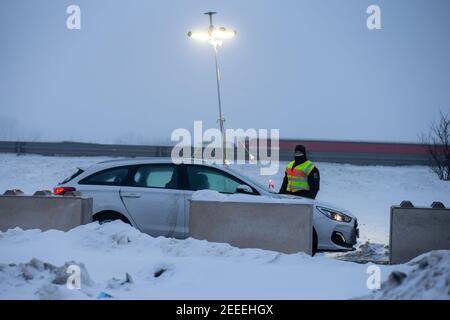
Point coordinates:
pixel 215 37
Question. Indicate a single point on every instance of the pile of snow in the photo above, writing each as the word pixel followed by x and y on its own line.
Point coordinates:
pixel 211 195
pixel 42 280
pixel 365 252
pixel 429 278
pixel 120 262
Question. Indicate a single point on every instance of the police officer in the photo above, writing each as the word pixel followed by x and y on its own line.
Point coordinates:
pixel 301 176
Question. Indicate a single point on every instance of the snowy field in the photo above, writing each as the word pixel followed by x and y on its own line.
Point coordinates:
pixel 161 268
pixel 117 261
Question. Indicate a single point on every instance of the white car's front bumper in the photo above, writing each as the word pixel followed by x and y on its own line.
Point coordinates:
pixel 334 235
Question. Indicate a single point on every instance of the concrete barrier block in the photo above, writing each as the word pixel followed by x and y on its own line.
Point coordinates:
pixel 45 193
pixel 13 192
pixel 437 205
pixel 280 227
pixel 406 204
pixel 416 230
pixel 72 194
pixel 44 212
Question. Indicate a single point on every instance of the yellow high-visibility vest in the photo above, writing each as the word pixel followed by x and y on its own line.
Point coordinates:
pixel 298 176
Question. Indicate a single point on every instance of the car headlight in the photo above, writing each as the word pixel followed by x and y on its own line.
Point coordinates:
pixel 334 215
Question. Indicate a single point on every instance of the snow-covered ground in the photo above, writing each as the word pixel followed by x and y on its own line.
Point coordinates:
pixel 118 261
pixel 160 268
pixel 194 269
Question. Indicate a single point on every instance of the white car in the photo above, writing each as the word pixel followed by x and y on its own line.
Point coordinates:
pixel 152 195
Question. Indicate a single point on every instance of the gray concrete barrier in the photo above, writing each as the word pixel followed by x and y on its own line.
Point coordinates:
pixel 416 230
pixel 272 226
pixel 44 212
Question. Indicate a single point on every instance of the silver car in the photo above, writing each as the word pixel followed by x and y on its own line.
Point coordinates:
pixel 152 195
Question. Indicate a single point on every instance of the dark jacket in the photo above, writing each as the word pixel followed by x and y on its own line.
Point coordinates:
pixel 313 181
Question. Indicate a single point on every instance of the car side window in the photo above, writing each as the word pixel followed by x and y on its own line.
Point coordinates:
pixel 155 176
pixel 109 177
pixel 201 178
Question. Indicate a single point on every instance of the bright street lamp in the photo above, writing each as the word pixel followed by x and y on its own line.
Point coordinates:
pixel 215 36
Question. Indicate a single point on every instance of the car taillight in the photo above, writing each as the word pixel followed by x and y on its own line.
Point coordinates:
pixel 59 191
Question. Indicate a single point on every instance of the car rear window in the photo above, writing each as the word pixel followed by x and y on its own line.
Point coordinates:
pixel 73 176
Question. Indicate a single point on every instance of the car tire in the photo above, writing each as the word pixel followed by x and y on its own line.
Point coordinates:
pixel 315 242
pixel 108 216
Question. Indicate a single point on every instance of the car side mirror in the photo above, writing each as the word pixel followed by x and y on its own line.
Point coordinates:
pixel 245 189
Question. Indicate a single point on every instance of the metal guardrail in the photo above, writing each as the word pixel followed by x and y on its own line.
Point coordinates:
pixel 117 150
pixel 83 149
pixel 364 158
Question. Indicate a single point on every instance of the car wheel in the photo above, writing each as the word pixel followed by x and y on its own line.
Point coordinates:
pixel 105 217
pixel 315 242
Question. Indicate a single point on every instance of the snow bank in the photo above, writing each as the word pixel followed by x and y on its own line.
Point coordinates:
pixel 124 263
pixel 119 262
pixel 428 279
pixel 364 253
pixel 210 195
pixel 41 280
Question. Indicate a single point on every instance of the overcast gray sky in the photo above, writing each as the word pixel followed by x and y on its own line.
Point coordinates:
pixel 309 68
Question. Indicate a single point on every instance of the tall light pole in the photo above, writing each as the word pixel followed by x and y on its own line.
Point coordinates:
pixel 215 37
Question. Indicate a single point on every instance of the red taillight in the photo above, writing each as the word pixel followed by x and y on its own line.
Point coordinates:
pixel 59 191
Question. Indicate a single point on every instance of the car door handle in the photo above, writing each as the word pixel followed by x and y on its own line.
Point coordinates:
pixel 131 195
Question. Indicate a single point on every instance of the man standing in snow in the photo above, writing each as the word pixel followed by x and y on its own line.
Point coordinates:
pixel 301 177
